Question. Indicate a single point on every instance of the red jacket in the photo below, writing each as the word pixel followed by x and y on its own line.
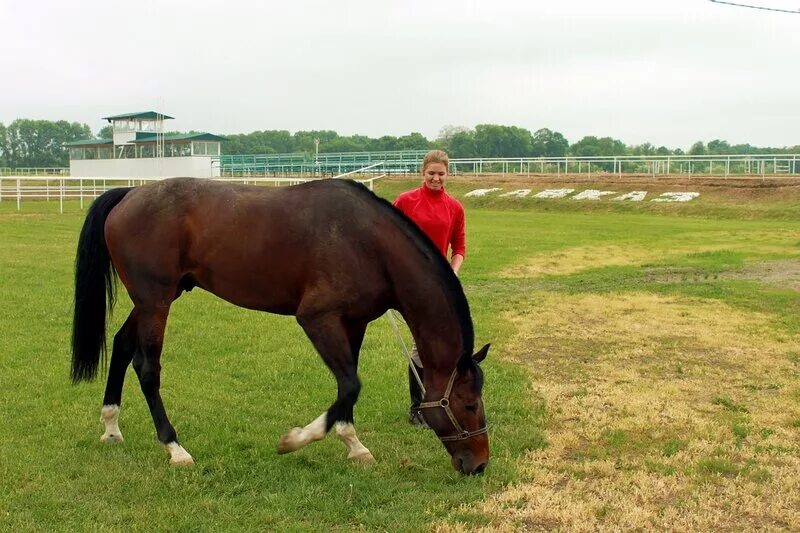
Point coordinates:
pixel 437 214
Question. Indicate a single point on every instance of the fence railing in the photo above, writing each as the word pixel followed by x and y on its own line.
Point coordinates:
pixel 62 189
pixel 666 165
pixel 34 171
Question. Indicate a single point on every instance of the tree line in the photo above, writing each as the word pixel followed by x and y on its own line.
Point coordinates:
pixel 39 143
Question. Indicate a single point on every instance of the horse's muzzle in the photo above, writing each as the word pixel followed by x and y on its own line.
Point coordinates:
pixel 467 466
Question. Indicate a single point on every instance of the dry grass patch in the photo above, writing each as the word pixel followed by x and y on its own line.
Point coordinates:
pixel 580 258
pixel 664 412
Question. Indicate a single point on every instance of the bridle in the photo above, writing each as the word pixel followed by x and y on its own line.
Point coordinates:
pixel 444 403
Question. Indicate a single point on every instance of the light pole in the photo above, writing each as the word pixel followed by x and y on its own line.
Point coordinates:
pixel 316 155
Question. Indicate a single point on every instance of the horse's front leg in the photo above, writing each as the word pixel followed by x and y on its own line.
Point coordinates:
pixel 338 344
pixel 147 364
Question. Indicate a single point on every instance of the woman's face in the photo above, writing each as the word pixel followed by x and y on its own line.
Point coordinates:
pixel 435 175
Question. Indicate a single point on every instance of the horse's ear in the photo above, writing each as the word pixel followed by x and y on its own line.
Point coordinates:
pixel 481 354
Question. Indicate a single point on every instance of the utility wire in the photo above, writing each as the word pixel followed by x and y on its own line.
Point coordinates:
pixel 797 12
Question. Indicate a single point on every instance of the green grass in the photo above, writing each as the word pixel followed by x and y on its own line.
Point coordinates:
pixel 234 381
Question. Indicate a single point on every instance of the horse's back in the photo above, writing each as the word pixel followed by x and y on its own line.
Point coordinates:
pixel 257 247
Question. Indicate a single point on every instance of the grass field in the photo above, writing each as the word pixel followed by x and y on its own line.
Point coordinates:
pixel 644 374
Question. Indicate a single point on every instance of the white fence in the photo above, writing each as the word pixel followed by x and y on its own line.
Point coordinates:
pixel 655 165
pixel 66 188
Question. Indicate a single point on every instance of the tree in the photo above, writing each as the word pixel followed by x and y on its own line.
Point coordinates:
pixel 343 144
pixel 462 144
pixel 718 146
pixel 387 143
pixel 106 132
pixel 304 140
pixel 3 162
pixel 413 141
pixel 591 146
pixel 698 148
pixel 547 143
pixel 643 149
pixel 447 133
pixel 492 140
pixel 40 143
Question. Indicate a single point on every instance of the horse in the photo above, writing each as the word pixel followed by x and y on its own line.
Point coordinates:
pixel 330 252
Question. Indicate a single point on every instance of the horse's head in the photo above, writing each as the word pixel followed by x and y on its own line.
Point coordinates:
pixel 457 416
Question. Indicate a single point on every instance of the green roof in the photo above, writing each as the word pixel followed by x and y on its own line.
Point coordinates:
pixel 143 137
pixel 142 114
pixel 90 142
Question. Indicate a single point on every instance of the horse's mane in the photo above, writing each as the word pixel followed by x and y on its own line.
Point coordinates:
pixel 441 268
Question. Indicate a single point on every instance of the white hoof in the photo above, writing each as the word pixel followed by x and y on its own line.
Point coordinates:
pixel 112 438
pixel 182 461
pixel 291 441
pixel 109 416
pixel 364 458
pixel 178 455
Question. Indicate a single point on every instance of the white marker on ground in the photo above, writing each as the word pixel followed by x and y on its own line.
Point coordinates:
pixel 591 194
pixel 633 196
pixel 481 192
pixel 676 197
pixel 554 193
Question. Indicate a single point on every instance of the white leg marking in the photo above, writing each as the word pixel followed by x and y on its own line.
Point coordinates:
pixel 109 416
pixel 299 437
pixel 177 455
pixel 358 452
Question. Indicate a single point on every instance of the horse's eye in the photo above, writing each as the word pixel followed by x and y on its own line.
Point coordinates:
pixel 471 408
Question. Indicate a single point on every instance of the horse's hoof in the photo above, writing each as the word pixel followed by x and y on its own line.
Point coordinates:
pixel 178 455
pixel 364 458
pixel 290 442
pixel 111 438
pixel 182 461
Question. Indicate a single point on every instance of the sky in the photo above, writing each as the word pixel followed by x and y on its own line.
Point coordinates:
pixel 667 72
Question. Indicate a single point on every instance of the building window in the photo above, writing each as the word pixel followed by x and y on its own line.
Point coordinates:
pixel 76 152
pixel 146 150
pixel 198 148
pixel 105 152
pixel 90 152
pixel 213 148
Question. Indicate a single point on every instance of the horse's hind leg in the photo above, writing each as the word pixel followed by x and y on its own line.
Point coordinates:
pixel 122 353
pixel 332 339
pixel 151 324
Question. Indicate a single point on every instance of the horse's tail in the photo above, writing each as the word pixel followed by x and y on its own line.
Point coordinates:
pixel 94 281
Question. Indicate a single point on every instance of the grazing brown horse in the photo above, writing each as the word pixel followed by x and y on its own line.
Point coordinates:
pixel 331 253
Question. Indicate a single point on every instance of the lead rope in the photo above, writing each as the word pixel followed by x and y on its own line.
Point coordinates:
pixel 393 321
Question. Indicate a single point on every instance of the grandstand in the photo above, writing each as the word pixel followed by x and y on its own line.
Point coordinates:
pixel 324 164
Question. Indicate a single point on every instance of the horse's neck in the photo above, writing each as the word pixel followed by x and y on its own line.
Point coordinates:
pixel 433 322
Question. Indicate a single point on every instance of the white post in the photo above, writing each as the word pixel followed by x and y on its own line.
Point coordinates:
pixel 19 194
pixel 61 196
pixel 80 185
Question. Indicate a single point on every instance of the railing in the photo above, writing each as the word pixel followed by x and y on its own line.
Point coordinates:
pixel 34 171
pixel 62 189
pixel 409 161
pixel 666 165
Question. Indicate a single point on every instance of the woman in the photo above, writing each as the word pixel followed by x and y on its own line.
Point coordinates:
pixel 441 218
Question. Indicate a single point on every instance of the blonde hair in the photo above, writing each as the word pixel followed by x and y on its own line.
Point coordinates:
pixel 436 156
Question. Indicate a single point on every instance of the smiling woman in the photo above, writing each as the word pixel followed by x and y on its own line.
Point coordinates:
pixel 441 218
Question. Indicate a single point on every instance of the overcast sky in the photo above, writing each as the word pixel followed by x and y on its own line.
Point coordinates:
pixel 669 72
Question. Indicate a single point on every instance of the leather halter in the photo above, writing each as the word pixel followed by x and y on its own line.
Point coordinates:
pixel 444 403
